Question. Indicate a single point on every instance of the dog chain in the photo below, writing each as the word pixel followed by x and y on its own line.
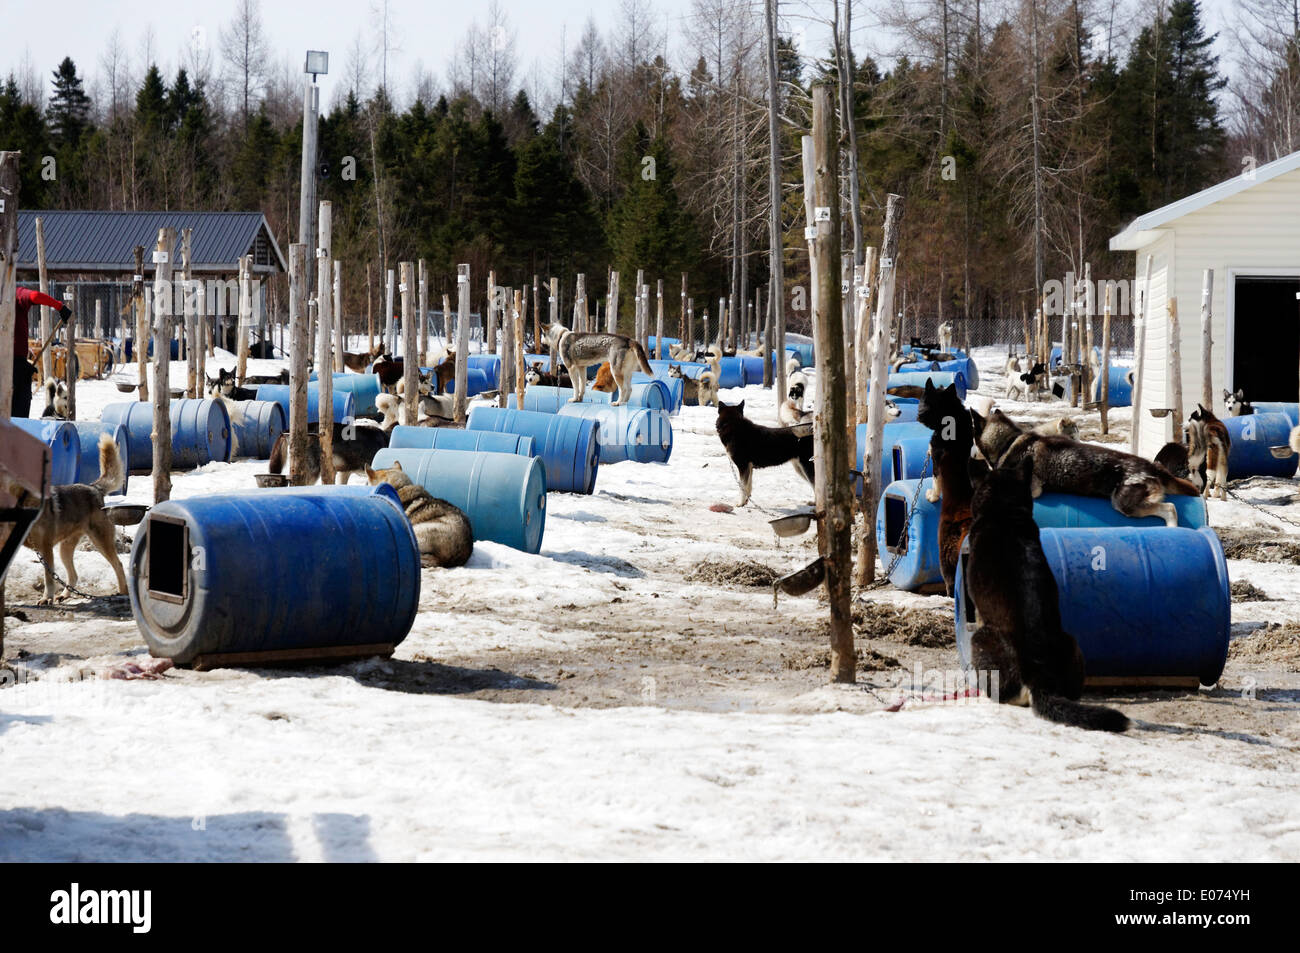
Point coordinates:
pixel 1241 499
pixel 68 587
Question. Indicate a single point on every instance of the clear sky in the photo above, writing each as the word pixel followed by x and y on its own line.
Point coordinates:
pixel 427 32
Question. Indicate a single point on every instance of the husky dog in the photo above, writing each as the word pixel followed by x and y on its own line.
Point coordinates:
pixel 604 381
pixel 754 352
pixel 577 352
pixel 71 512
pixel 358 362
pixel 1020 636
pixel 1216 443
pixel 1135 487
pixel 1236 403
pixel 355 446
pixel 792 365
pixel 1186 460
pixel 906 390
pixel 751 446
pixel 945 336
pixel 444 373
pixel 423 383
pixel 225 385
pixel 56 400
pixel 699 391
pixel 441 529
pixel 1021 384
pixel 538 374
pixel 943 412
pixel 1061 427
pixel 790 411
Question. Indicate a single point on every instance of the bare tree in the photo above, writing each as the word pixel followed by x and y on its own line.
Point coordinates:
pixel 244 47
pixel 499 67
pixel 1267 108
pixel 385 38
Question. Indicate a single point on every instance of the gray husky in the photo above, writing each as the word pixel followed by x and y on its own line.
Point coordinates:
pixel 1135 486
pixel 71 512
pixel 442 530
pixel 577 352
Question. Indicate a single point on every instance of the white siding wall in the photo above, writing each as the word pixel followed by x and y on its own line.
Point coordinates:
pixel 1255 231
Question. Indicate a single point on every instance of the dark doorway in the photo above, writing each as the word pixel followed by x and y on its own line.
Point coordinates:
pixel 1266 338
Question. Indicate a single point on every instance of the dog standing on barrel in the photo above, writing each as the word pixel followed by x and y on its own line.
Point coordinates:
pixel 577 352
pixel 1021 636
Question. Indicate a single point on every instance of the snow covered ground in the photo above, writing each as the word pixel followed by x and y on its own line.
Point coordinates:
pixel 592 702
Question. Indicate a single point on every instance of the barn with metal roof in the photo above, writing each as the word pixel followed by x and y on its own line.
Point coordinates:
pixel 90 243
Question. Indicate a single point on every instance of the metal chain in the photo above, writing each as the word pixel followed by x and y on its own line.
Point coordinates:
pixel 70 588
pixel 1241 499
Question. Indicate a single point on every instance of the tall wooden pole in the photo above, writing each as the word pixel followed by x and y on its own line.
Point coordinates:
pixel 1105 362
pixel 324 323
pixel 611 310
pixel 423 309
pixel 47 322
pixel 245 315
pixel 491 331
pixel 659 323
pixel 193 348
pixel 390 342
pixel 681 325
pixel 9 189
pixel 298 345
pixel 518 346
pixel 370 313
pixel 410 361
pixel 888 270
pixel 537 316
pixel 340 341
pixel 1207 340
pixel 70 365
pixel 162 339
pixel 506 381
pixel 834 496
pixel 462 343
pixel 1139 357
pixel 775 233
pixel 1176 368
pixel 141 325
pixel 447 342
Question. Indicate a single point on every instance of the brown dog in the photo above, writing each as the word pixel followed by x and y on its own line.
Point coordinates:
pixel 605 379
pixel 950 448
pixel 359 362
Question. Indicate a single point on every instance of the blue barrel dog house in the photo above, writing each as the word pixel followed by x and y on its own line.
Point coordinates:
pixel 200 432
pixel 569 447
pixel 64 443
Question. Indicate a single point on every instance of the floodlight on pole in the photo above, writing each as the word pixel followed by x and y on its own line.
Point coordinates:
pixel 318 63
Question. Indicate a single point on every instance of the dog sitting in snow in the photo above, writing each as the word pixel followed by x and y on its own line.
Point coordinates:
pixel 56 400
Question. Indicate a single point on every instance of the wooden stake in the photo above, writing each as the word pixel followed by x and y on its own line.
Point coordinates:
pixel 537 317
pixel 370 313
pixel 611 310
pixel 1140 348
pixel 424 310
pixel 9 189
pixel 1207 340
pixel 298 342
pixel 519 347
pixel 462 343
pixel 390 335
pixel 162 339
pixel 141 325
pixel 410 361
pixel 834 497
pixel 491 335
pixel 47 321
pixel 506 381
pixel 339 340
pixel 70 364
pixel 245 316
pixel 1105 362
pixel 446 322
pixel 659 322
pixel 1176 368
pixel 193 348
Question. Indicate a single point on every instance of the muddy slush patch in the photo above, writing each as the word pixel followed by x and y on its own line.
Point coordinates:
pixel 1279 644
pixel 1243 591
pixel 868 660
pixel 923 627
pixel 746 573
pixel 1261 549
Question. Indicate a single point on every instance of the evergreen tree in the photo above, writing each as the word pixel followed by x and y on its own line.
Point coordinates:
pixel 69 106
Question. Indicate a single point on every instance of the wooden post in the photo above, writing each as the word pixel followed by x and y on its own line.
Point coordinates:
pixel 1088 306
pixel 639 298
pixel 659 323
pixel 611 310
pixel 47 322
pixel 580 304
pixel 370 313
pixel 193 383
pixel 390 344
pixel 491 336
pixel 99 318
pixel 537 317
pixel 70 364
pixel 722 323
pixel 506 381
pixel 1105 362
pixel 848 328
pixel 141 335
pixel 834 497
pixel 447 342
pixel 1207 341
pixel 245 315
pixel 424 310
pixel 518 356
pixel 553 313
pixel 1139 347
pixel 690 324
pixel 298 294
pixel 162 338
pixel 644 339
pixel 462 343
pixel 410 361
pixel 879 373
pixel 1175 352
pixel 324 323
pixel 865 280
pixel 9 189
pixel 339 340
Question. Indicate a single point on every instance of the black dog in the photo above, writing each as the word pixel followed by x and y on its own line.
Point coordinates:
pixel 1015 593
pixel 751 445
pixel 226 386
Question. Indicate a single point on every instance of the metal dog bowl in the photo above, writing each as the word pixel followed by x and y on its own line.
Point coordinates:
pixel 795 524
pixel 126 386
pixel 126 514
pixel 801 581
pixel 266 480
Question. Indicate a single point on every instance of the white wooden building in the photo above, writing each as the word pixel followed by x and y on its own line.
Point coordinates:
pixel 1247 230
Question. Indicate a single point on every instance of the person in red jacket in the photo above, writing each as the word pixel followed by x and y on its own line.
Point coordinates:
pixel 23 369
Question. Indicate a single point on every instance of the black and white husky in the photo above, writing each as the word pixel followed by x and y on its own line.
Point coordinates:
pixel 56 400
pixel 752 446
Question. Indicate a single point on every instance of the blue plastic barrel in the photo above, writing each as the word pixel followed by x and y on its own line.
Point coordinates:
pixel 689 368
pixel 751 369
pixel 88 463
pixel 1121 391
pixel 503 494
pixel 364 388
pixel 447 438
pixel 962 365
pixel 676 389
pixel 568 446
pixel 651 394
pixel 893 432
pixel 940 378
pixel 803 351
pixel 275 569
pixel 257 425
pixel 638 434
pixel 1252 437
pixel 345 404
pixel 917 549
pixel 1067 511
pixel 490 365
pixel 1140 602
pixel 476 382
pixel 667 342
pixel 64 443
pixel 200 432
pixel 731 372
pixel 908 458
pixel 1291 409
